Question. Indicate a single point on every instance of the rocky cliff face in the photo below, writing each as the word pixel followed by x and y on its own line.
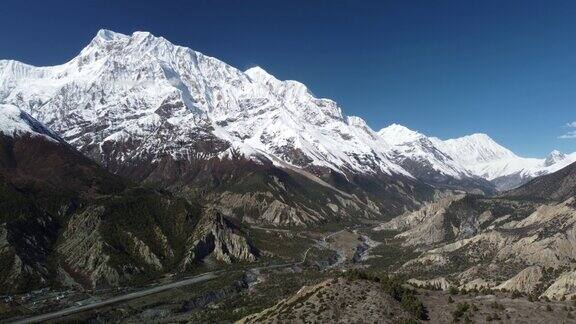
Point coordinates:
pixel 218 237
pixel 455 217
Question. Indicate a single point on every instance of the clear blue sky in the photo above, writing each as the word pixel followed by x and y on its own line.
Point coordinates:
pixel 446 68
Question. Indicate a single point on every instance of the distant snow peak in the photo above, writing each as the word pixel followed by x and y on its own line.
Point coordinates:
pixel 108 35
pixel 554 157
pixel 490 160
pixel 398 134
pixel 474 149
pixel 420 155
pixel 258 74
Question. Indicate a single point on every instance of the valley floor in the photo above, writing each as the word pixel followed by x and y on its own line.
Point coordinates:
pixel 302 258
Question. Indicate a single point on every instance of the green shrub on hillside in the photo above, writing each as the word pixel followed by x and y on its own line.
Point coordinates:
pixel 395 287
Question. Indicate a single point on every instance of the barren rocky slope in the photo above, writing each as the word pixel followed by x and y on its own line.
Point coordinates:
pixel 522 241
pixel 337 301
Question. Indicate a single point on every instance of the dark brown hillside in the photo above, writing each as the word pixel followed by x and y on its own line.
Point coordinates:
pixel 36 163
pixel 42 182
pixel 64 218
pixel 557 186
pixel 251 187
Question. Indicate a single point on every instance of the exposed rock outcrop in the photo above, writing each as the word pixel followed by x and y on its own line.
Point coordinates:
pixel 424 226
pixel 219 237
pixel 525 281
pixel 564 286
pixel 439 283
pixel 83 251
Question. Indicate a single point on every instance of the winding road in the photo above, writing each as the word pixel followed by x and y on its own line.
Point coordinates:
pixel 148 291
pixel 75 309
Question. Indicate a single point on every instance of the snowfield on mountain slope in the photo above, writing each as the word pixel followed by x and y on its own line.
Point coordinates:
pixel 14 121
pixel 138 96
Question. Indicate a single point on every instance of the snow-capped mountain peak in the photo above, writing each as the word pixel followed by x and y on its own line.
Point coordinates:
pixel 397 134
pixel 474 149
pixel 108 35
pixel 167 99
pixel 483 156
pixel 423 158
pixel 490 160
pixel 554 157
pixel 260 75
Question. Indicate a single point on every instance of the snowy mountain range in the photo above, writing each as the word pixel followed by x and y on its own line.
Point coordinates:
pixel 131 98
pixel 485 158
